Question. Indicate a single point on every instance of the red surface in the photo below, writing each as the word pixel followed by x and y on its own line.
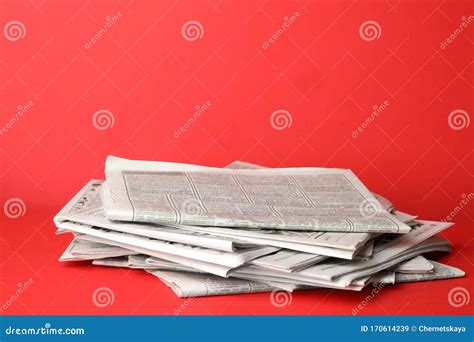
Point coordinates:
pixel 150 78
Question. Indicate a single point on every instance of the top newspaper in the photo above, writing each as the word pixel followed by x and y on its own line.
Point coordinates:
pixel 309 199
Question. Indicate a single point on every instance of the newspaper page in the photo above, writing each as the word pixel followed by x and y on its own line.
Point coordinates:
pixel 265 274
pixel 385 250
pixel 404 217
pixel 207 267
pixel 383 277
pixel 166 265
pixel 311 199
pixel 385 255
pixel 112 262
pixel 386 204
pixel 433 244
pixel 133 261
pixel 80 249
pixel 230 259
pixel 280 242
pixel 287 260
pixel 352 241
pixel 195 285
pixel 310 276
pixel 440 271
pixel 365 253
pixel 87 207
pixel 138 261
pixel 286 286
pixel 416 265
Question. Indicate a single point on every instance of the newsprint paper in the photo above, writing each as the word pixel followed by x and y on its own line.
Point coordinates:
pixel 315 199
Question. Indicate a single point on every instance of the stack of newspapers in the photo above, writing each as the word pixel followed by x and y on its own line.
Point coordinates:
pixel 244 228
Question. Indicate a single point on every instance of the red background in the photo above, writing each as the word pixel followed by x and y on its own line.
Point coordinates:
pixel 150 78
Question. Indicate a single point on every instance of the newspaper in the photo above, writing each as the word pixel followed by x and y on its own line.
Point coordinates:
pixel 404 217
pixel 366 252
pixel 387 248
pixel 432 244
pixel 416 265
pixel 283 260
pixel 384 202
pixel 230 259
pixel 290 283
pixel 315 275
pixel 383 277
pixel 197 285
pixel 338 245
pixel 80 249
pixel 295 278
pixel 359 243
pixel 112 262
pixel 440 271
pixel 386 254
pixel 288 261
pixel 388 205
pixel 138 261
pixel 207 231
pixel 311 199
pixel 133 261
pixel 87 207
pixel 165 265
pixel 207 267
pixel 293 240
pixel 240 273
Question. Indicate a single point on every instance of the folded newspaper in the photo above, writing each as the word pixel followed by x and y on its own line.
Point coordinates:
pixel 208 231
